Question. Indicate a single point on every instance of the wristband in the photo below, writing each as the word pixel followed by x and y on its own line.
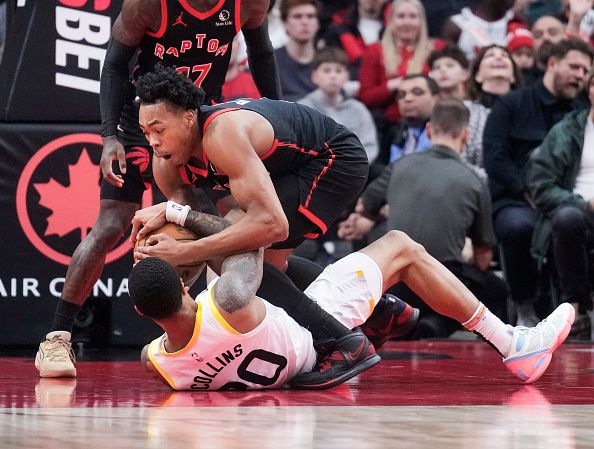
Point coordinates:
pixel 176 213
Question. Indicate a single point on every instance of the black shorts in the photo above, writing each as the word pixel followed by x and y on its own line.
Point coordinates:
pixel 317 194
pixel 138 176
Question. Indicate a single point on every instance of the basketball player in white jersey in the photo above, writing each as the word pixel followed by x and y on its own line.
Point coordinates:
pixel 228 338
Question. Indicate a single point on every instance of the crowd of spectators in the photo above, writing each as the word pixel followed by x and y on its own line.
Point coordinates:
pixel 514 192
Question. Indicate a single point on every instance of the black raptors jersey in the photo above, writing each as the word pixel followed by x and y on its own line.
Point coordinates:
pixel 327 158
pixel 197 44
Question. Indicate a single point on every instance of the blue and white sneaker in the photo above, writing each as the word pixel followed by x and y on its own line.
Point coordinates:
pixel 532 347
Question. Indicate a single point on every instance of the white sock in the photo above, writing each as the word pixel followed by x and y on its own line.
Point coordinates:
pixel 64 335
pixel 494 330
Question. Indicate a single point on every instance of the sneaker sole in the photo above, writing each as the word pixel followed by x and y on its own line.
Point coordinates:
pixel 58 373
pixel 364 365
pixel 547 355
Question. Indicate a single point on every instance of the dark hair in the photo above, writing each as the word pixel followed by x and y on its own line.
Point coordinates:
pixel 561 48
pixel 286 6
pixel 449 117
pixel 433 87
pixel 475 88
pixel 449 51
pixel 155 288
pixel 333 55
pixel 166 84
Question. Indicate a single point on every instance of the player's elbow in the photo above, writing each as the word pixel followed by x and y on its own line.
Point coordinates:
pixel 277 227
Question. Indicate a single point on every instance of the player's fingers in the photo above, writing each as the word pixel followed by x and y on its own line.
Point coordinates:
pixel 121 155
pixel 136 232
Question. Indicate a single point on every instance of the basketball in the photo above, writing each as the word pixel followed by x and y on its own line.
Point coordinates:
pixel 188 273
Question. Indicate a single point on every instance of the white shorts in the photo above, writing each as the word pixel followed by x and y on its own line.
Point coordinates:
pixel 348 289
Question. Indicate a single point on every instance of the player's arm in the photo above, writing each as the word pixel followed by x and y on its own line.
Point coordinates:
pixel 135 18
pixel 228 144
pixel 260 51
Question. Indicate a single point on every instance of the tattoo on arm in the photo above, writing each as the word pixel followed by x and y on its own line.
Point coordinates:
pixel 205 225
pixel 241 275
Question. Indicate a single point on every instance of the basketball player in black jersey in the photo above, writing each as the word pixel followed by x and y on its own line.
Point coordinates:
pixel 196 37
pixel 291 172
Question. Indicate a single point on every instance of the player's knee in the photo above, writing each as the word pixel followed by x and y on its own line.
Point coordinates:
pixel 405 246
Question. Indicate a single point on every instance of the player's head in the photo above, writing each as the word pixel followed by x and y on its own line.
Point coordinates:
pixel 155 288
pixel 166 84
pixel 168 113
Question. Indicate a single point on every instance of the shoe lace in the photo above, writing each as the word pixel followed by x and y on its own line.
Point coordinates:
pixel 59 350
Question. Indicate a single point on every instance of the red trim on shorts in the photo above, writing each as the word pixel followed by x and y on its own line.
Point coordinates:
pixel 215 115
pixel 198 14
pixel 161 31
pixel 322 173
pixel 272 150
pixel 293 146
pixel 314 219
pixel 237 16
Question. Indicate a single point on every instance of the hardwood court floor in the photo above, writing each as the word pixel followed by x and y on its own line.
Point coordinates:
pixel 441 394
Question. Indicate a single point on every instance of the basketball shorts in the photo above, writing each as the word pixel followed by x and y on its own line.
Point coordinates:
pixel 348 289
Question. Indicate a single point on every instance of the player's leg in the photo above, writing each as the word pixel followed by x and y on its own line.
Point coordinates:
pixel 55 357
pixel 527 351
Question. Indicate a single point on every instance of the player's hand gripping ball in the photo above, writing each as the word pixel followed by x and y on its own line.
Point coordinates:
pixel 187 273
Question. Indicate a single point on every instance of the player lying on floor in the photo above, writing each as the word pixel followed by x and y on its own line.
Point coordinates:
pixel 228 338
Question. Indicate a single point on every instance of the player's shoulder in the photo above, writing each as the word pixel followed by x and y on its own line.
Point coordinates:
pixel 140 10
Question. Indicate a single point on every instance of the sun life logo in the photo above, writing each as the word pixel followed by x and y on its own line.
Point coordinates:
pixel 224 16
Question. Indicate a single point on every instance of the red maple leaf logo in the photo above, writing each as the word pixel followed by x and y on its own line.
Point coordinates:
pixel 74 206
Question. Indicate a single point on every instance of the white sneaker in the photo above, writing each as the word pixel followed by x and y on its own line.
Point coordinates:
pixel 532 347
pixel 55 358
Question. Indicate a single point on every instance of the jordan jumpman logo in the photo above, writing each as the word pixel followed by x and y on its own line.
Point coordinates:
pixel 179 20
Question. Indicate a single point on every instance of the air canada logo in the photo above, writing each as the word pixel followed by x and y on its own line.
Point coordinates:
pixel 58 196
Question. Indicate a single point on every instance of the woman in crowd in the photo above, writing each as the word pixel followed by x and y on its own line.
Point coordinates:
pixel 493 74
pixel 403 50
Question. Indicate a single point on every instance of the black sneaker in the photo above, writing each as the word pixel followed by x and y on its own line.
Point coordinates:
pixel 392 318
pixel 350 355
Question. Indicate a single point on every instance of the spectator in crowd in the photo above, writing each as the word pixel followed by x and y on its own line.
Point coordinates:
pixel 450 70
pixel 354 29
pixel 414 186
pixel 493 74
pixel 484 23
pixel 580 21
pixel 276 29
pixel 330 73
pixel 546 32
pixel 238 80
pixel 417 95
pixel 403 50
pixel 300 18
pixel 517 124
pixel 520 45
pixel 561 181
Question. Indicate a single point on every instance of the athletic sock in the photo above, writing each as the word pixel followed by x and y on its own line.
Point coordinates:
pixel 278 289
pixel 64 316
pixel 491 328
pixel 302 271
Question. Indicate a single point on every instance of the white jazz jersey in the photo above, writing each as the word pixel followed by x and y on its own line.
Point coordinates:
pixel 219 358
